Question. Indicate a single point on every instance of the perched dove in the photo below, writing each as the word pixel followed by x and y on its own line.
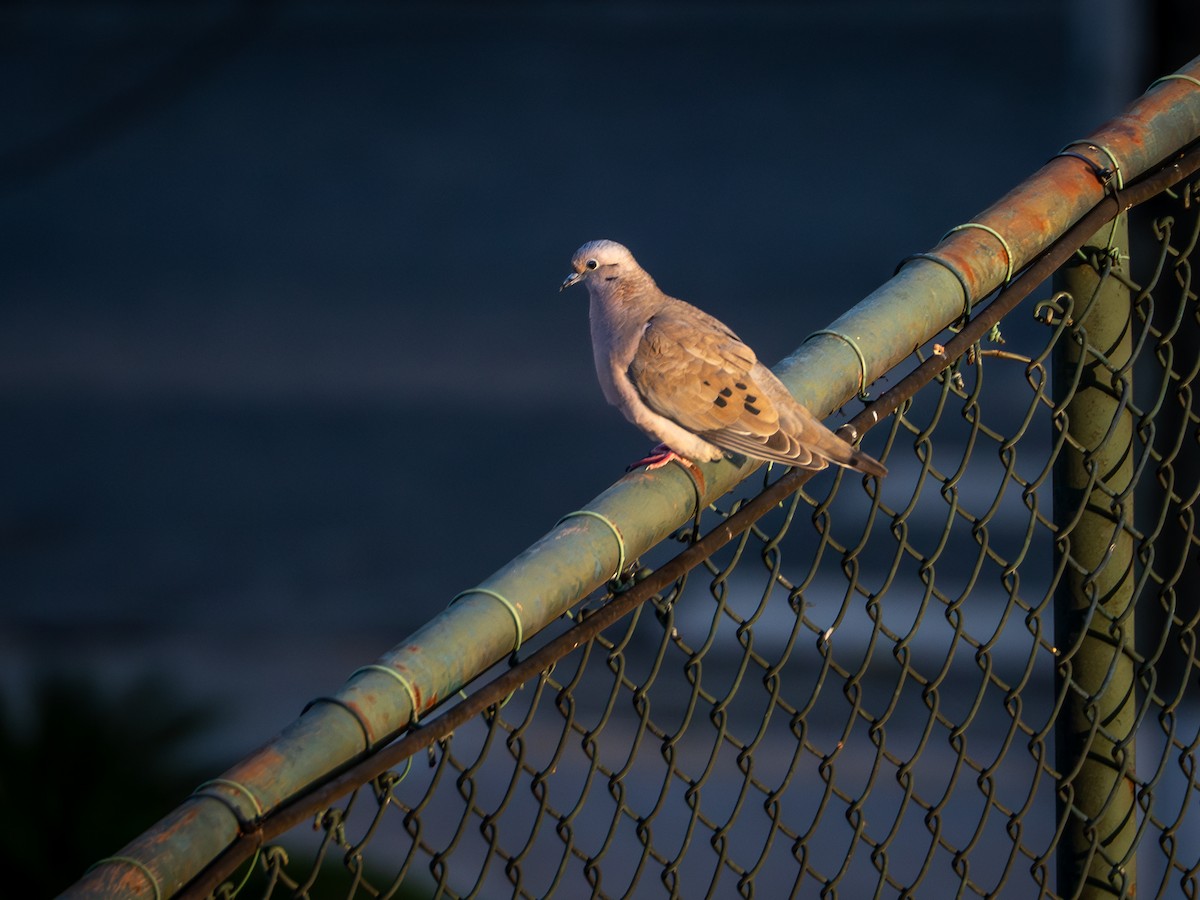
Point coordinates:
pixel 687 380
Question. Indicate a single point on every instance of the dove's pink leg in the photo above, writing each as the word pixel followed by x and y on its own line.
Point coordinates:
pixel 661 455
pixel 658 457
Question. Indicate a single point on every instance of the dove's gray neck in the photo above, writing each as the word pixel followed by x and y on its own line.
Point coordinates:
pixel 618 310
pixel 622 287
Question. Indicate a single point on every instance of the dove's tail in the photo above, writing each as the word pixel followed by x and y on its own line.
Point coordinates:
pixel 842 454
pixel 864 463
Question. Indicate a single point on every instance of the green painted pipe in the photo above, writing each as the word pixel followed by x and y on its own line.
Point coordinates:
pixel 1093 605
pixel 578 555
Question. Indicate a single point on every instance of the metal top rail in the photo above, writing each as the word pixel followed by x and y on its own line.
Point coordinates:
pixel 585 549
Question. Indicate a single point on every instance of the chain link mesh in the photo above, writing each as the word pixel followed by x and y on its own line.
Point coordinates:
pixel 858 696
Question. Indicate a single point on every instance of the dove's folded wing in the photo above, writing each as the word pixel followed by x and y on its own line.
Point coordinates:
pixel 697 373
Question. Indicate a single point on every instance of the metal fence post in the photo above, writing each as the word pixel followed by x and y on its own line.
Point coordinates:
pixel 1093 510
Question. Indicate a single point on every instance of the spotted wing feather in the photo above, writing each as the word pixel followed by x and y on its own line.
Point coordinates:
pixel 697 373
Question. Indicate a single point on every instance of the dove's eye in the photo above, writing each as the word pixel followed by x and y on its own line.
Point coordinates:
pixel 591 264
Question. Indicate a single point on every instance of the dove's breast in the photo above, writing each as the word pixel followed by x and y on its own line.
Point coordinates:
pixel 614 341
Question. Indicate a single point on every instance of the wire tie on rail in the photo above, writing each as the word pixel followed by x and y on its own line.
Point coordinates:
pixel 233 808
pixel 348 708
pixel 1104 176
pixel 1008 254
pixel 137 864
pixel 504 601
pixel 862 360
pixel 962 280
pixel 1175 76
pixel 404 682
pixel 611 527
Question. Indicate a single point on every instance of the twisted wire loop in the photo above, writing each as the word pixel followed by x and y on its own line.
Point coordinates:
pixel 203 790
pixel 616 532
pixel 1008 254
pixel 968 300
pixel 404 682
pixel 503 601
pixel 864 374
pixel 1180 76
pixel 861 693
pixel 355 714
pixel 1104 175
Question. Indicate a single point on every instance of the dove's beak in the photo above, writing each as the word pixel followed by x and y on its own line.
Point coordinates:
pixel 571 279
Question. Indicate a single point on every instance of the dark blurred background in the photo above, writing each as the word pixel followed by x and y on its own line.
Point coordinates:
pixel 283 363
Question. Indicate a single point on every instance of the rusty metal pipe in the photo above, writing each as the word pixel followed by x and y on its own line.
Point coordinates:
pixel 578 555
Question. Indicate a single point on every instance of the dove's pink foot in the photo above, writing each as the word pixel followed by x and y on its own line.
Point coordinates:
pixel 661 455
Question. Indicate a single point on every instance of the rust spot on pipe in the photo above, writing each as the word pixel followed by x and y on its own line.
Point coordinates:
pixel 264 763
pixel 1055 197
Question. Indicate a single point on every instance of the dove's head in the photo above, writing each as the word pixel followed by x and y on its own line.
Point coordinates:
pixel 599 262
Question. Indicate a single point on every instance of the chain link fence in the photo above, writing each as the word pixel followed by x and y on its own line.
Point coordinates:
pixel 862 694
pixel 974 678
